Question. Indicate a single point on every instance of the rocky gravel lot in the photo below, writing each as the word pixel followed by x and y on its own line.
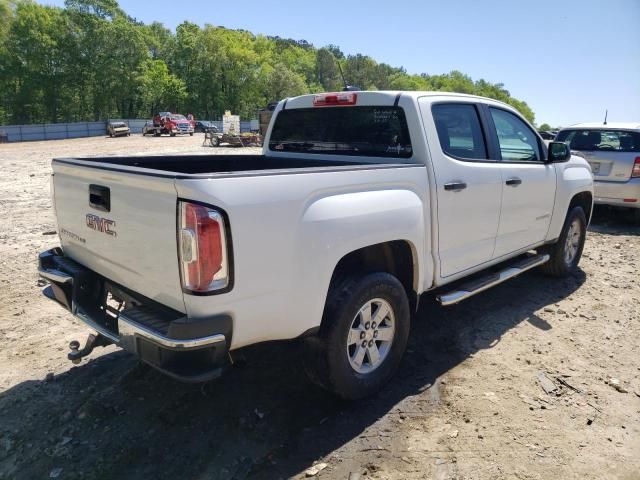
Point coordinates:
pixel 536 379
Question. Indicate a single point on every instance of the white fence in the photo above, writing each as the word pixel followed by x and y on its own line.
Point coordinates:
pixel 59 131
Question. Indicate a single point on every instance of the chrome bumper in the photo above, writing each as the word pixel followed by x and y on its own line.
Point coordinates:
pixel 128 329
pixel 167 340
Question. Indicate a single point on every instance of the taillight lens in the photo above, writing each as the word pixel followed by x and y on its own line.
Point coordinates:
pixel 636 168
pixel 202 248
pixel 332 99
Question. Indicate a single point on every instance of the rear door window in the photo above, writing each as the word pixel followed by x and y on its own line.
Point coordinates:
pixel 601 140
pixel 459 130
pixel 362 131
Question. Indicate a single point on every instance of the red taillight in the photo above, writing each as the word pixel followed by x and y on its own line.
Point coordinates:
pixel 636 168
pixel 203 250
pixel 332 99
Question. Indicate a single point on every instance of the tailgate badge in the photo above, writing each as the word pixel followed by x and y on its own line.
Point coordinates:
pixel 104 225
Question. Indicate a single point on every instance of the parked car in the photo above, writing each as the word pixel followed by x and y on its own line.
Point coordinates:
pixel 203 126
pixel 546 135
pixel 613 151
pixel 148 129
pixel 168 123
pixel 118 129
pixel 359 203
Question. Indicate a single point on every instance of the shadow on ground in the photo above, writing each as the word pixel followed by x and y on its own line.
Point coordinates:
pixel 114 418
pixel 614 221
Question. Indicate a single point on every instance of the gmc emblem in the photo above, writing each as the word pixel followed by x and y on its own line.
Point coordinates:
pixel 100 224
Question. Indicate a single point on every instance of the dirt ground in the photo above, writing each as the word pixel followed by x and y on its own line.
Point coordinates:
pixel 468 403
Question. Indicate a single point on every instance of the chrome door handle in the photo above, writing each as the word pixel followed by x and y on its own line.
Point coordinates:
pixel 513 182
pixel 455 186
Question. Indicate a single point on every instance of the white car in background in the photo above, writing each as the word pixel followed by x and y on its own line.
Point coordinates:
pixel 613 150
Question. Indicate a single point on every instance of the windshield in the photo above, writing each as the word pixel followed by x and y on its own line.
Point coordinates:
pixel 364 131
pixel 118 125
pixel 177 117
pixel 601 140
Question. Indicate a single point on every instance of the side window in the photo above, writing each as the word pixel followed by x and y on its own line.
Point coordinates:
pixel 518 142
pixel 459 130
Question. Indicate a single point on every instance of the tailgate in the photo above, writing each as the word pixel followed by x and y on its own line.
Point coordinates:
pixel 122 226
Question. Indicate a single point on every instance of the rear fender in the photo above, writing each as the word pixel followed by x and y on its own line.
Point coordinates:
pixel 334 226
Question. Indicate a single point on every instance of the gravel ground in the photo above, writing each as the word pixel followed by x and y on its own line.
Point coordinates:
pixel 469 401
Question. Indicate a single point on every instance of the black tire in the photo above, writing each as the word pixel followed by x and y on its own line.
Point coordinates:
pixel 191 134
pixel 557 266
pixel 327 355
pixel 215 141
pixel 172 134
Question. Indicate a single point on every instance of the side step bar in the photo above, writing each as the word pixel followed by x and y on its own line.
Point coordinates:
pixel 469 289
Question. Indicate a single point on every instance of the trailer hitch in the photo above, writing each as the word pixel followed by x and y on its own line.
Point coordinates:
pixel 93 341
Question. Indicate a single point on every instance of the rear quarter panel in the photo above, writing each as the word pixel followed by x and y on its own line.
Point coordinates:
pixel 290 230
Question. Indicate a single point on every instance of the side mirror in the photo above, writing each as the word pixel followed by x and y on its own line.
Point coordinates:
pixel 558 152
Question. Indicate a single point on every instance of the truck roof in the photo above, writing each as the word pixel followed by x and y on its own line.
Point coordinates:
pixel 389 96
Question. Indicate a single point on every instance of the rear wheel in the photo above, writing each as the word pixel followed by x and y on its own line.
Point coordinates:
pixel 215 141
pixel 566 252
pixel 364 334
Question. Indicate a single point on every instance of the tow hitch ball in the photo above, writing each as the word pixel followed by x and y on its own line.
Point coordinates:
pixel 93 341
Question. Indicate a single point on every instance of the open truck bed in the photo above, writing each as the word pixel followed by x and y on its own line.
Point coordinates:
pixel 177 165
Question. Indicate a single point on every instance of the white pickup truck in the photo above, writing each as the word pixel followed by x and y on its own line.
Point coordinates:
pixel 360 202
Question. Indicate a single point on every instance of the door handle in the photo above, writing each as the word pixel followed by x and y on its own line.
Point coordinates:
pixel 455 186
pixel 100 197
pixel 513 182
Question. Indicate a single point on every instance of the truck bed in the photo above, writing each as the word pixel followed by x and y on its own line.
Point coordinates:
pixel 210 164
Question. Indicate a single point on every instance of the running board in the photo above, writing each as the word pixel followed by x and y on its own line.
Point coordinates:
pixel 469 289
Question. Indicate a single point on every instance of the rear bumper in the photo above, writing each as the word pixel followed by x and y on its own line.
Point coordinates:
pixel 615 193
pixel 167 340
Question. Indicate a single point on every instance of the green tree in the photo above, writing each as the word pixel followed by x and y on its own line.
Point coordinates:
pixel 158 89
pixel 283 82
pixel 545 127
pixel 90 60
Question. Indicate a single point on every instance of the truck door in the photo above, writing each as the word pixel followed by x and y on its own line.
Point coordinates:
pixel 468 184
pixel 529 185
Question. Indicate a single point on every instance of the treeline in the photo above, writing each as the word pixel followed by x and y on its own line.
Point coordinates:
pixel 91 61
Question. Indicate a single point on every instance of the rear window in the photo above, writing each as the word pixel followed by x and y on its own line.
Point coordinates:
pixel 459 130
pixel 601 140
pixel 363 131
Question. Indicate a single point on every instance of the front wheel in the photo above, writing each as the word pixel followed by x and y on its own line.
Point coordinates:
pixel 566 252
pixel 363 336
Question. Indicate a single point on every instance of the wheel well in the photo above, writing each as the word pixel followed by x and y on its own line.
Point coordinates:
pixel 584 200
pixel 395 257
